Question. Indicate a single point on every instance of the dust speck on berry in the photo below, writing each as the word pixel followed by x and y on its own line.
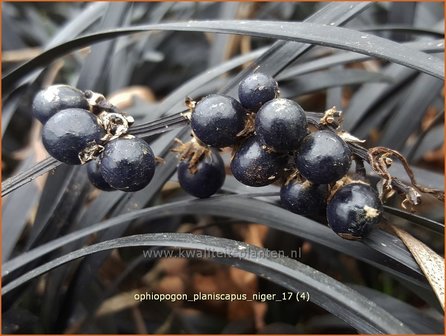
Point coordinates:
pixel 281 124
pixel 255 166
pixel 128 164
pixel 55 98
pixel 323 157
pixel 256 89
pixel 217 119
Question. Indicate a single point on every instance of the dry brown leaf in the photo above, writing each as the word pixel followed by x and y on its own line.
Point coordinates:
pixel 20 55
pixel 123 99
pixel 167 266
pixel 119 302
pixel 435 157
pixel 112 268
pixel 428 118
pixel 171 284
pixel 254 235
pixel 430 263
pixel 243 279
pixel 209 284
pixel 139 321
pixel 260 309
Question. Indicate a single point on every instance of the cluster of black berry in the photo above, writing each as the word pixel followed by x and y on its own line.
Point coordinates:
pixel 269 136
pixel 81 127
pixel 271 140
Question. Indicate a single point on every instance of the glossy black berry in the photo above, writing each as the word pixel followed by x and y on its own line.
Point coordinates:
pixel 204 179
pixel 323 157
pixel 128 164
pixel 354 210
pixel 256 89
pixel 281 124
pixel 304 198
pixel 69 132
pixel 256 167
pixel 217 119
pixel 95 176
pixel 55 98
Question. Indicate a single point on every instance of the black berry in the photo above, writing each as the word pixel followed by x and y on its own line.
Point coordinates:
pixel 217 120
pixel 128 164
pixel 354 210
pixel 256 89
pixel 304 198
pixel 323 157
pixel 55 98
pixel 205 178
pixel 95 176
pixel 255 166
pixel 281 124
pixel 69 132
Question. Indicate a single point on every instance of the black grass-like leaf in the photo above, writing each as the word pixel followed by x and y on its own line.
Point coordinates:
pixel 282 53
pixel 68 218
pixel 330 36
pixel 416 319
pixel 24 177
pixel 342 58
pixel 424 222
pixel 244 208
pixel 16 210
pixel 331 295
pixel 420 96
pixel 323 80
